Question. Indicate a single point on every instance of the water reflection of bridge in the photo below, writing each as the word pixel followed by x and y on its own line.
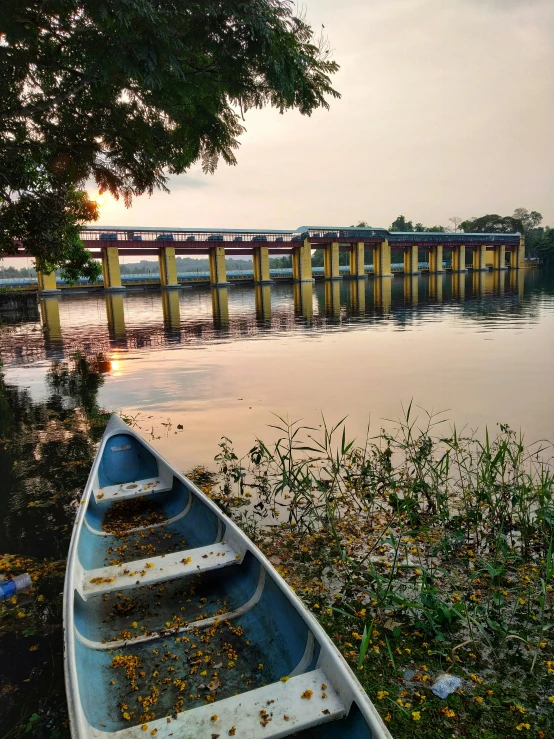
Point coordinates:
pixel 302 306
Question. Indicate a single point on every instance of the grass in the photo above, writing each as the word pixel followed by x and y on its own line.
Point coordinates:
pixel 421 553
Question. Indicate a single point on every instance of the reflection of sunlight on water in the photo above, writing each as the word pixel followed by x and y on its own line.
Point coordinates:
pixel 114 365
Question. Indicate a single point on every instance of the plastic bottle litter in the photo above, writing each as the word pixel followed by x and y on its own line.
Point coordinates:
pixel 445 684
pixel 16 585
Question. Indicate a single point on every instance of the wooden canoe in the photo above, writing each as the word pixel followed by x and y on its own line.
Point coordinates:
pixel 176 625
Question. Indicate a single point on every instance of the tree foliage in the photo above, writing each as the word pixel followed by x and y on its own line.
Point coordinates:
pixel 127 92
pixel 492 223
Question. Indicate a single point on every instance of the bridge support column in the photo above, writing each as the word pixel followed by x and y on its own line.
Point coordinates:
pixel 521 253
pixel 459 285
pixel 302 262
pixel 116 315
pixel 435 259
pixel 171 309
pixel 382 260
pixel 435 286
pixel 513 258
pixel 357 296
pixel 459 258
pixel 220 306
pixel 304 300
pixel 331 269
pixel 50 315
pixel 332 298
pixel 47 283
pixel 110 269
pixel 411 261
pixel 499 257
pixel 357 259
pixel 383 294
pixel 411 289
pixel 480 258
pixel 260 259
pixel 218 273
pixel 262 297
pixel 168 267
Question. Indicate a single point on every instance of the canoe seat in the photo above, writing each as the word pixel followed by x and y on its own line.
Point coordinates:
pixel 274 711
pixel 135 489
pixel 157 569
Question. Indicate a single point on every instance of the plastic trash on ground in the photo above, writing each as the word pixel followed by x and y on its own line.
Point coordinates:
pixel 14 586
pixel 445 684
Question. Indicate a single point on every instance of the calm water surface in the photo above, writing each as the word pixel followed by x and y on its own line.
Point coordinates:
pixel 480 347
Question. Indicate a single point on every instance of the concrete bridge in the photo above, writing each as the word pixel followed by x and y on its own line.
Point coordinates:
pixel 452 250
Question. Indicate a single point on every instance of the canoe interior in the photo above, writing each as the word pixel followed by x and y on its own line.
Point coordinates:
pixel 161 663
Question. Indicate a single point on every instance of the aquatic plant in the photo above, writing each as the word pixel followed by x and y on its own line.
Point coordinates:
pixel 442 540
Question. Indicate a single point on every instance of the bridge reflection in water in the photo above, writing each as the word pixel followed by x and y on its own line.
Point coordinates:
pixel 99 323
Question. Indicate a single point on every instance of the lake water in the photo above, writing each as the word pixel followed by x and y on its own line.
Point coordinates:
pixel 479 347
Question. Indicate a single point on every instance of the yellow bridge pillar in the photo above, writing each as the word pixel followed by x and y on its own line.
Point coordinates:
pixel 382 259
pixel 47 283
pixel 478 280
pixel 411 289
pixel 459 258
pixel 435 286
pixel 218 272
pixel 168 267
pixel 357 296
pixel 220 307
pixel 260 259
pixel 435 259
pixel 332 298
pixel 171 309
pixel 499 257
pixel 383 294
pixel 262 296
pixel 357 259
pixel 459 285
pixel 116 315
pixel 50 315
pixel 480 257
pixel 513 258
pixel 331 269
pixel 302 262
pixel 110 269
pixel 411 260
pixel 521 253
pixel 304 300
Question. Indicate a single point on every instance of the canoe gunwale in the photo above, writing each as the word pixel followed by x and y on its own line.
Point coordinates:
pixel 330 660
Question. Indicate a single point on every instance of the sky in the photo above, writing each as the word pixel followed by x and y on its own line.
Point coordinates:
pixel 447 109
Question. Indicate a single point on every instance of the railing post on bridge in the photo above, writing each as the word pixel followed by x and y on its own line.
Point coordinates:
pixel 168 267
pixel 302 262
pixel 411 260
